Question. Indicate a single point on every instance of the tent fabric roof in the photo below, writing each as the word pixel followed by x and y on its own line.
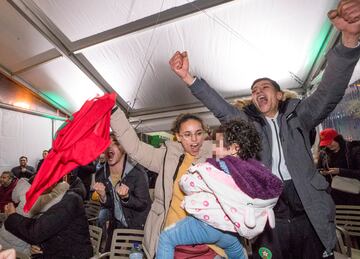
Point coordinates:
pixel 83 18
pixel 70 51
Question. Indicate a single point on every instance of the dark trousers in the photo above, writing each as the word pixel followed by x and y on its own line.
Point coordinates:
pixel 293 236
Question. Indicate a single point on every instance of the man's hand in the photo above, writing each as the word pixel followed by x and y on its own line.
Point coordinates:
pixel 100 189
pixel 123 191
pixel 35 250
pixel 349 10
pixel 346 18
pixel 179 63
pixel 9 209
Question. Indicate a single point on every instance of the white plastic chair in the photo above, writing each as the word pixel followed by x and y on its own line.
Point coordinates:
pixel 122 242
pixel 92 209
pixel 343 244
pixel 348 217
pixel 95 237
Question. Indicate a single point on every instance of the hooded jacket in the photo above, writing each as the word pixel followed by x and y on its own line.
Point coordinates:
pixel 137 206
pixel 45 201
pixel 62 231
pixel 296 119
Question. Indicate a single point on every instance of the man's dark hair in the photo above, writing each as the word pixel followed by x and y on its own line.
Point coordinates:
pixel 23 157
pixel 116 141
pixel 9 173
pixel 273 82
pixel 244 134
pixel 114 138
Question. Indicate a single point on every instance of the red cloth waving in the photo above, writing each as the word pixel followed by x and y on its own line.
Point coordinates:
pixel 80 142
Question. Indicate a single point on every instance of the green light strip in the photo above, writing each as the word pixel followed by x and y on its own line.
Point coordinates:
pixel 319 45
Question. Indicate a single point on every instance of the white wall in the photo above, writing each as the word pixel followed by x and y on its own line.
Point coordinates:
pixel 23 134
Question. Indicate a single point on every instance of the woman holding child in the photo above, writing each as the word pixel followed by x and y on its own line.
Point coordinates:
pixel 171 162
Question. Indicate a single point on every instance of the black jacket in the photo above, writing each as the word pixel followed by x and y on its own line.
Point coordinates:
pixel 61 232
pixel 20 174
pixel 137 206
pixel 85 174
pixel 352 154
pixel 347 159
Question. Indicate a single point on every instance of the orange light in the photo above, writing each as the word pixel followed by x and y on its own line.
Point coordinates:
pixel 24 105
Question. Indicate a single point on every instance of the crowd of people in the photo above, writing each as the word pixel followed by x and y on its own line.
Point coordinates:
pixel 255 178
pixel 57 225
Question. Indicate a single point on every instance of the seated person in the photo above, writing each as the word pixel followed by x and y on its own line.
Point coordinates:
pixel 230 195
pixel 123 188
pixel 85 174
pixel 23 170
pixel 8 183
pixel 62 231
pixel 44 155
pixel 45 201
pixel 101 161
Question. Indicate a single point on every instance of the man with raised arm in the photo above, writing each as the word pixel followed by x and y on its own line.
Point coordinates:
pixel 305 212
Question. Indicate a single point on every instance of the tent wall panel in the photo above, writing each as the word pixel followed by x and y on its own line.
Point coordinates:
pixel 23 134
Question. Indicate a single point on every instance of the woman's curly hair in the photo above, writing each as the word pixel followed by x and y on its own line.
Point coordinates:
pixel 184 117
pixel 244 134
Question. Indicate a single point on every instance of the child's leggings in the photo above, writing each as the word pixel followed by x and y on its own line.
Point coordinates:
pixel 189 231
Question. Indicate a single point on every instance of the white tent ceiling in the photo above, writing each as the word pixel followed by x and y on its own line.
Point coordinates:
pixel 69 51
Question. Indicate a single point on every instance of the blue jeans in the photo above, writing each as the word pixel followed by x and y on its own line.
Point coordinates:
pixel 190 231
pixel 104 215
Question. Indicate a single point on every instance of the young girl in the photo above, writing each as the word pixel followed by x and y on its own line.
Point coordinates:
pixel 230 194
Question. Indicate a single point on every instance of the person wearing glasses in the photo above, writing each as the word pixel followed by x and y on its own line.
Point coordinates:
pixel 229 196
pixel 170 161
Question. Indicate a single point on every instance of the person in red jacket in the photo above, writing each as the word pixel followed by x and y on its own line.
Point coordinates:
pixel 8 183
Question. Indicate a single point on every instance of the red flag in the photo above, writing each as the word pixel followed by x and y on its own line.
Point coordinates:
pixel 79 142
